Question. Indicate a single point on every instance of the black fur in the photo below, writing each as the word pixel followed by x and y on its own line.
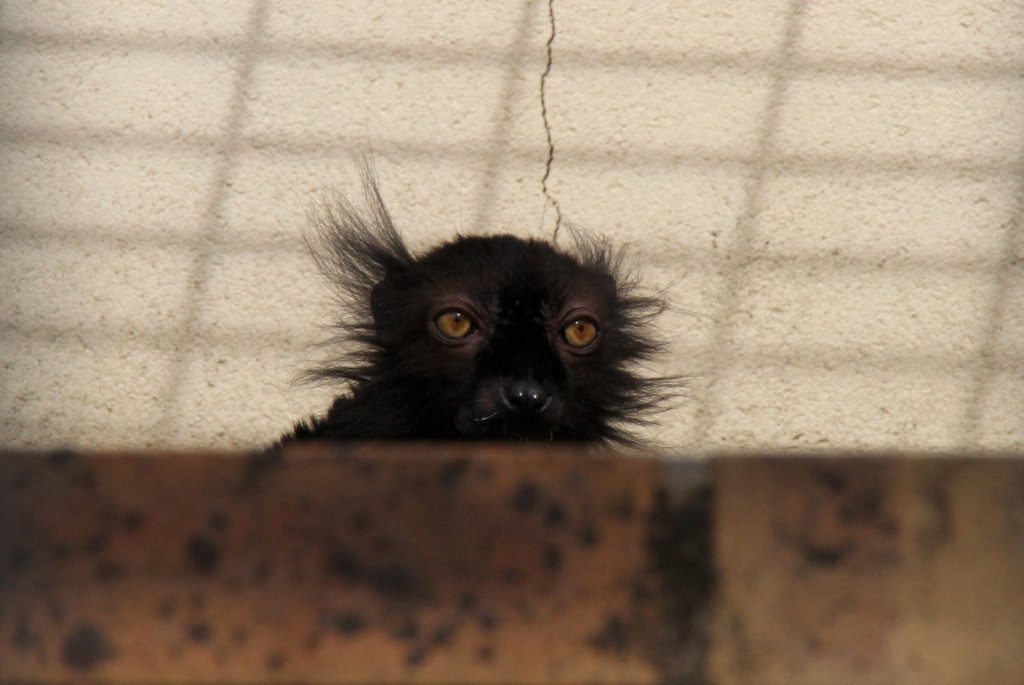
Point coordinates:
pixel 515 376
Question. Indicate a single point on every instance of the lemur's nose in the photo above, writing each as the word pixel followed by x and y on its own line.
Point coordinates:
pixel 524 397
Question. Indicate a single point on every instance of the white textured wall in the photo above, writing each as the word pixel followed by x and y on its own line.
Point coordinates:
pixel 831 191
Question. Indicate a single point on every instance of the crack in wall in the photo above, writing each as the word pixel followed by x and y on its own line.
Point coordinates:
pixel 549 199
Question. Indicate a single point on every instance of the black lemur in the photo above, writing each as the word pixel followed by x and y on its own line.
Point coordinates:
pixel 481 337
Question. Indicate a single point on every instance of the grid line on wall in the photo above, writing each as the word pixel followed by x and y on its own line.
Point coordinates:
pixel 212 219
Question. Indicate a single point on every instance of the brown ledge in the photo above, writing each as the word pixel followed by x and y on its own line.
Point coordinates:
pixel 485 564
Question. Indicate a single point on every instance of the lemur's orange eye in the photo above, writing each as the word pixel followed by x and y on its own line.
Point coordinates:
pixel 580 332
pixel 454 323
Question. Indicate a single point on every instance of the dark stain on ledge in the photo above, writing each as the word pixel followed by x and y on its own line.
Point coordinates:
pixel 259 464
pixel 823 555
pixel 588 536
pixel 261 571
pixel 408 630
pixel 204 553
pixel 834 481
pixel 217 521
pixel 512 576
pixel 168 609
pixel 554 515
pixel 468 602
pixel 552 557
pixel 938 529
pixel 342 563
pixel 110 571
pixel 680 550
pixel 862 506
pixel 60 552
pixel 452 474
pixel 133 521
pixel 276 661
pixel 61 458
pixel 24 638
pixel 526 497
pixel 416 657
pixel 96 544
pixel 85 647
pixel 613 637
pixel 57 613
pixel 398 582
pixel 392 580
pixel 348 623
pixel 200 632
pixel 487 620
pixel 443 635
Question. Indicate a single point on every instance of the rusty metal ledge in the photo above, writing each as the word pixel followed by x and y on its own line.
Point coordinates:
pixel 467 563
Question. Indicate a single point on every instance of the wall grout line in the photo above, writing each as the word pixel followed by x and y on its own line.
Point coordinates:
pixel 813 165
pixel 593 57
pixel 986 366
pixel 741 245
pixel 498 148
pixel 170 397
